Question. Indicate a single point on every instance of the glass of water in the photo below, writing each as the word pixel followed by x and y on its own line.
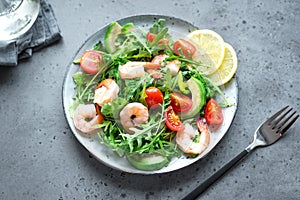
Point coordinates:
pixel 16 18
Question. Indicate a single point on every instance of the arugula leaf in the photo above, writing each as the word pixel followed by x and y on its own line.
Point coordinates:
pixel 99 46
pixel 157 26
pixel 111 110
pixel 81 79
pixel 149 138
pixel 159 36
pixel 110 136
pixel 215 89
pixel 72 108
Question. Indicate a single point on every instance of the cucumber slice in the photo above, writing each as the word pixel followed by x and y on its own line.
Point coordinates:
pixel 198 97
pixel 147 161
pixel 110 37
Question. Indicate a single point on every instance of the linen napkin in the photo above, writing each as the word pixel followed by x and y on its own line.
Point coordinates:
pixel 44 32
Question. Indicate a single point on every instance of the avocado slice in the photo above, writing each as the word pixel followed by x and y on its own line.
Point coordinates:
pixel 198 97
pixel 110 37
pixel 129 27
pixel 147 161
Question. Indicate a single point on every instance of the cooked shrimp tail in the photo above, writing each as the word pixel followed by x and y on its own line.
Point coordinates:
pixel 189 141
pixel 132 70
pixel 85 118
pixel 133 115
pixel 106 91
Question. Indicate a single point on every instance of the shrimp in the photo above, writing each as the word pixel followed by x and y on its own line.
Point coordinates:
pixel 85 117
pixel 185 138
pixel 106 92
pixel 173 66
pixel 157 61
pixel 154 73
pixel 153 66
pixel 132 70
pixel 133 115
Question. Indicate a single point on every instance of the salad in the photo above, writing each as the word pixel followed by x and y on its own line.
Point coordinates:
pixel 145 95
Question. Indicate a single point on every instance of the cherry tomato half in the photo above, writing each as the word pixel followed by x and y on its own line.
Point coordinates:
pixel 187 48
pixel 90 61
pixel 172 120
pixel 150 37
pixel 180 102
pixel 213 112
pixel 154 97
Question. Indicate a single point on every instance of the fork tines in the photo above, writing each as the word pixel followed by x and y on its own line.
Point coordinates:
pixel 281 121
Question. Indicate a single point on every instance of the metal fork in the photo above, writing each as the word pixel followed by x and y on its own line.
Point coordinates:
pixel 266 134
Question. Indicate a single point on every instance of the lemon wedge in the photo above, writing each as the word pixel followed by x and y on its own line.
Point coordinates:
pixel 210 49
pixel 227 69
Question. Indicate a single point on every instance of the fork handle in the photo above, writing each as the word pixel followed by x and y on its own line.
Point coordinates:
pixel 213 178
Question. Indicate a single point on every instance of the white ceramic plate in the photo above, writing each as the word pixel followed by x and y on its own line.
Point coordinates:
pixel 177 28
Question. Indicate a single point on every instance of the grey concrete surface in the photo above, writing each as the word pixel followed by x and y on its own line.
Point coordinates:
pixel 41 159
